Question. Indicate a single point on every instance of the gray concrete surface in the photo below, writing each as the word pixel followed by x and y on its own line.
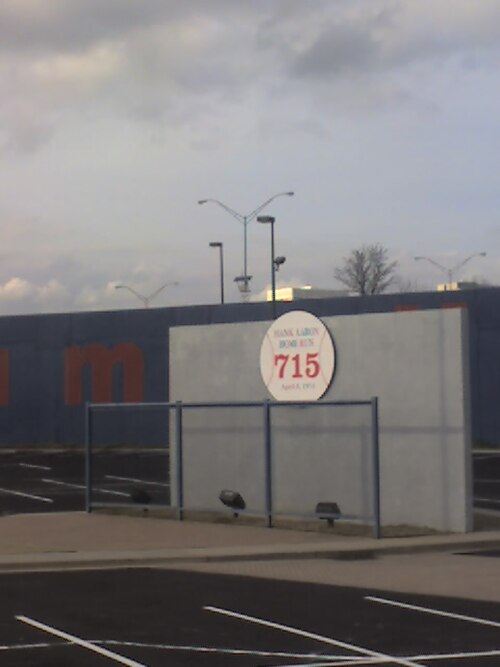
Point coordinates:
pixel 445 574
pixel 39 541
pixel 416 363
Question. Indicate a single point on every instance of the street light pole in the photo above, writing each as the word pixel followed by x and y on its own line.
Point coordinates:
pixel 220 245
pixel 450 271
pixel 268 219
pixel 244 280
pixel 146 299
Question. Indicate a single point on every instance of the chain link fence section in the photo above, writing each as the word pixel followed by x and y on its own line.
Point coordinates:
pixel 127 455
pixel 323 454
pixel 261 458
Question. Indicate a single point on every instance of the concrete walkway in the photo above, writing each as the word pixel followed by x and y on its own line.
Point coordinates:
pixel 76 540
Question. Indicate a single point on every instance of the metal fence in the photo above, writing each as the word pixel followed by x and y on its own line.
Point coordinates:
pixel 262 458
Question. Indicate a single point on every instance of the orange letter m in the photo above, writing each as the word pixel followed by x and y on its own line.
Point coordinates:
pixel 101 361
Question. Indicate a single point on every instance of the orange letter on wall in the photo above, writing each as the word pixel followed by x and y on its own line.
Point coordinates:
pixel 4 377
pixel 101 361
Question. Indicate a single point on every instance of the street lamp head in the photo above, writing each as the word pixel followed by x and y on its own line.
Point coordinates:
pixel 243 283
pixel 215 244
pixel 266 219
pixel 119 286
pixel 290 194
pixel 202 201
pixel 279 261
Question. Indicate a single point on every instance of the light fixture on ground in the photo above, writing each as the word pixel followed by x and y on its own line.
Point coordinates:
pixel 140 496
pixel 233 500
pixel 328 511
pixel 244 282
pixel 220 245
pixel 146 300
pixel 450 271
pixel 269 220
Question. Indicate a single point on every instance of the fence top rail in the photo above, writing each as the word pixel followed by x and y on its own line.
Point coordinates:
pixel 230 404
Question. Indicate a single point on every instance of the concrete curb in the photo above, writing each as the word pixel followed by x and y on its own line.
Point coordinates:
pixel 354 550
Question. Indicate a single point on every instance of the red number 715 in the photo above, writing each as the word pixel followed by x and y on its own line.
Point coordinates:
pixel 312 367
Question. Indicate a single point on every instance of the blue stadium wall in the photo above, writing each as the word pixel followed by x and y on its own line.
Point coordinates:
pixel 50 365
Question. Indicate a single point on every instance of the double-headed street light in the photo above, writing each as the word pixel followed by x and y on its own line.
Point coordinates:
pixel 146 299
pixel 450 271
pixel 244 280
pixel 220 245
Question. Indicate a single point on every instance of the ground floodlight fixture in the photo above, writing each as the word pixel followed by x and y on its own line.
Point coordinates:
pixel 233 500
pixel 328 511
pixel 140 496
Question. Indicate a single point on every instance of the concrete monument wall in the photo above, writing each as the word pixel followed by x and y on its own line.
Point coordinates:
pixel 416 363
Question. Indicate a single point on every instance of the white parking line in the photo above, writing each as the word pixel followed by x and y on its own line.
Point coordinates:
pixel 25 647
pixel 483 457
pixel 326 659
pixel 226 651
pixel 435 612
pixel 496 501
pixel 26 495
pixel 81 486
pixel 458 656
pixel 310 635
pixel 135 481
pixel 32 465
pixel 80 642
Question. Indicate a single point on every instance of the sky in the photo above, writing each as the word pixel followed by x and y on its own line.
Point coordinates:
pixel 118 116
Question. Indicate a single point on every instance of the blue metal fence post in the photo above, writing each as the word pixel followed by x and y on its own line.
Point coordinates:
pixel 179 463
pixel 88 459
pixel 268 473
pixel 376 468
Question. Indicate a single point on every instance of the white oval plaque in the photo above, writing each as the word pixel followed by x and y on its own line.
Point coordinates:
pixel 297 357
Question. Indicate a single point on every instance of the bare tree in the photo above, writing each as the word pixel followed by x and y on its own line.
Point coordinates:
pixel 367 270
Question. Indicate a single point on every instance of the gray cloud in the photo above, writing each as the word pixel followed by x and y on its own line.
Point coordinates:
pixel 384 36
pixel 164 60
pixel 339 51
pixel 58 25
pixel 133 109
pixel 150 61
pixel 35 26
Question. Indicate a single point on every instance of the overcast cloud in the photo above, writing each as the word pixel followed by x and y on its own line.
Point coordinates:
pixel 116 116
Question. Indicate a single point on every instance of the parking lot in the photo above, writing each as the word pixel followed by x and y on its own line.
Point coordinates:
pixel 156 617
pixel 54 480
pixel 421 609
pixel 486 474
